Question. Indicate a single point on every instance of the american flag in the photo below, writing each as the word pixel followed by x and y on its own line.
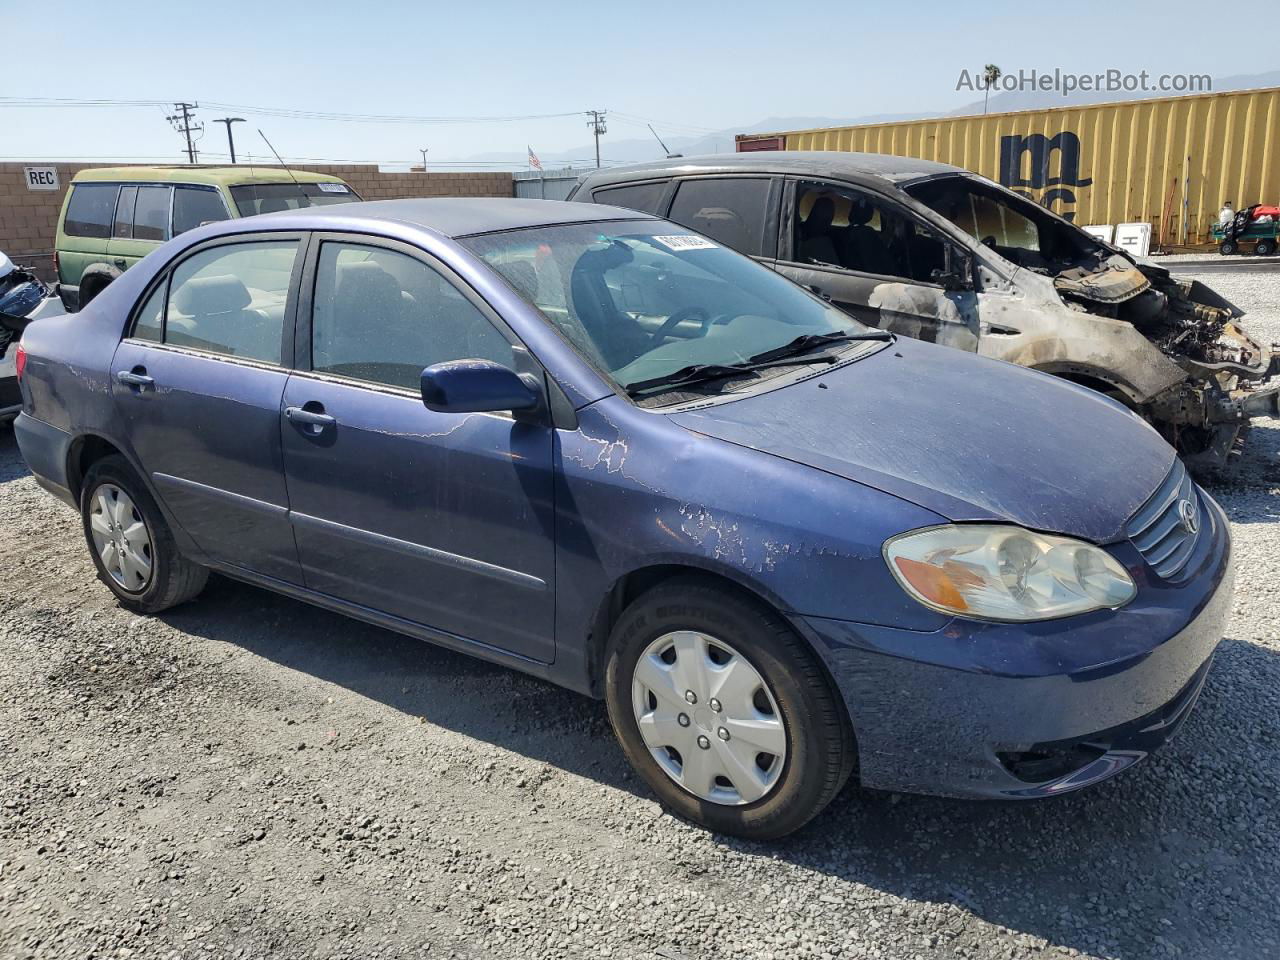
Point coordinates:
pixel 534 162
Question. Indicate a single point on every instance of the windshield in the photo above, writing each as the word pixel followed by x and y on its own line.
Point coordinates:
pixel 255 198
pixel 1014 227
pixel 645 299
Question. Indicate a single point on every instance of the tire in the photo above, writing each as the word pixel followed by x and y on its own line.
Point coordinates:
pixel 1227 247
pixel 802 712
pixel 111 496
pixel 1265 248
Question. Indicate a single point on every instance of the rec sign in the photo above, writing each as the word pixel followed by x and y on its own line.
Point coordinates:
pixel 41 178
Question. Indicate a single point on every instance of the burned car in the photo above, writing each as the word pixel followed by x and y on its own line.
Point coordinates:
pixel 937 253
pixel 23 297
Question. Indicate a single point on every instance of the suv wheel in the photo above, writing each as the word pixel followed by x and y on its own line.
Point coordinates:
pixel 131 544
pixel 725 712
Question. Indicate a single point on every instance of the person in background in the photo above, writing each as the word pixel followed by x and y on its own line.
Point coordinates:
pixel 1226 214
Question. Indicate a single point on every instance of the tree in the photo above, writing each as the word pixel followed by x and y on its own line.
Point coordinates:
pixel 990 74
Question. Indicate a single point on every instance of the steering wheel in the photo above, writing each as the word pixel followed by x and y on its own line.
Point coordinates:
pixel 677 318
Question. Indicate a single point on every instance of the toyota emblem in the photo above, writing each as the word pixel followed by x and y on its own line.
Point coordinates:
pixel 1190 516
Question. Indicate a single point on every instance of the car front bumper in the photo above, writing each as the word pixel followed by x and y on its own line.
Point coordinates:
pixel 1002 711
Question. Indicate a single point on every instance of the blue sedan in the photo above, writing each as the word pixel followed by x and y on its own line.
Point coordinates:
pixel 597 447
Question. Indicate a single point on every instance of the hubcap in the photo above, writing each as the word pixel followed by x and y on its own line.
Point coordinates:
pixel 732 750
pixel 121 537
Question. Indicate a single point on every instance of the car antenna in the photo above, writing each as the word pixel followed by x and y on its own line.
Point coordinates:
pixel 302 193
pixel 670 155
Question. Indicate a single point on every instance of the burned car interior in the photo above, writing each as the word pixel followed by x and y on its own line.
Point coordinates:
pixel 846 228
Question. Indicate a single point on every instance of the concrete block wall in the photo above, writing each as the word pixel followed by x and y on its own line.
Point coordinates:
pixel 29 218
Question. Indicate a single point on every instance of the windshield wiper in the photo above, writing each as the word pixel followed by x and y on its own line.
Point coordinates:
pixel 686 376
pixel 809 341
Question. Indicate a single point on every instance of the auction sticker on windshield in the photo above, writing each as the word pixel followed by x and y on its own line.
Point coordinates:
pixel 332 187
pixel 686 243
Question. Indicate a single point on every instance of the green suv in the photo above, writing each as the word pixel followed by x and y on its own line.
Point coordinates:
pixel 112 217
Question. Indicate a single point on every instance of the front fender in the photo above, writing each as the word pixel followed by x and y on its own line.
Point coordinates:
pixel 636 490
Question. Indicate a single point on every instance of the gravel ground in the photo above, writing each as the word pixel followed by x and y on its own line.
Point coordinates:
pixel 247 776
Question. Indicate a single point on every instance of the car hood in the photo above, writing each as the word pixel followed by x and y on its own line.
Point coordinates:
pixel 963 436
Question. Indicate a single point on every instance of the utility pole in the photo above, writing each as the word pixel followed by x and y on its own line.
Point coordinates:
pixel 596 123
pixel 423 151
pixel 186 129
pixel 231 143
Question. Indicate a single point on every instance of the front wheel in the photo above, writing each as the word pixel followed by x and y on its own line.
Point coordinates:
pixel 130 542
pixel 725 712
pixel 1227 248
pixel 1265 248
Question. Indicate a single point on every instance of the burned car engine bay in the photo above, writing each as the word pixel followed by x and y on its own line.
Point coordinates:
pixel 1215 376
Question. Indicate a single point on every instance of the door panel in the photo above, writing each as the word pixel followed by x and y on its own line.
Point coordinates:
pixel 208 432
pixel 441 519
pixel 198 384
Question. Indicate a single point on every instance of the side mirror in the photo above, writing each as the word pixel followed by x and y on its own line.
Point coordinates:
pixel 478 386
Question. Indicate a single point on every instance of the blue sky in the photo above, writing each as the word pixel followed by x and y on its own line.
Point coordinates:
pixel 690 66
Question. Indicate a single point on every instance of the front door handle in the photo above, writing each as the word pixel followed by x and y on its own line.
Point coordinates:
pixel 310 418
pixel 120 262
pixel 133 378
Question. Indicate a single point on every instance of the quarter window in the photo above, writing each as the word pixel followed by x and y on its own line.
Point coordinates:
pixel 645 197
pixel 382 316
pixel 732 211
pixel 151 214
pixel 193 206
pixel 231 300
pixel 90 211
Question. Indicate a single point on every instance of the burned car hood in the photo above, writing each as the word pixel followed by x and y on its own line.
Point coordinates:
pixel 1118 281
pixel 963 436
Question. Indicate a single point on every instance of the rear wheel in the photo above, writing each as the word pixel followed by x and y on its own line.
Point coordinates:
pixel 1227 247
pixel 132 546
pixel 1265 248
pixel 725 712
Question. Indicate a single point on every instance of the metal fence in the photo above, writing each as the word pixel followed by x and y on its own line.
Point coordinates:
pixel 546 184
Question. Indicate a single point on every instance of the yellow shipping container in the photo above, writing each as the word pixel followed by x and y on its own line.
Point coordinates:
pixel 1170 162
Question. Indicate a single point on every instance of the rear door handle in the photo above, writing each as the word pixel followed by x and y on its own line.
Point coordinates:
pixel 120 262
pixel 131 378
pixel 308 417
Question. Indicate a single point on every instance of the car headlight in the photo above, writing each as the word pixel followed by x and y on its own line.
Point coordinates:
pixel 991 572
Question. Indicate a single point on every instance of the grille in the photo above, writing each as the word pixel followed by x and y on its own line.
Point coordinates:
pixel 1157 529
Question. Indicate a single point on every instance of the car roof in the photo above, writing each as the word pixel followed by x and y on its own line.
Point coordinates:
pixel 825 163
pixel 461 216
pixel 214 176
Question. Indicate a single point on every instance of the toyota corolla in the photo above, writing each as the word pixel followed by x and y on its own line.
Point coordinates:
pixel 595 446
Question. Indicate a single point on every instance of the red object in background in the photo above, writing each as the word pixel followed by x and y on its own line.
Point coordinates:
pixel 19 361
pixel 1265 211
pixel 763 143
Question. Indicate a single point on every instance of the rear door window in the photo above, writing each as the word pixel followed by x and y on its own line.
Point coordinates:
pixel 731 210
pixel 231 300
pixel 91 211
pixel 151 214
pixel 193 206
pixel 645 197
